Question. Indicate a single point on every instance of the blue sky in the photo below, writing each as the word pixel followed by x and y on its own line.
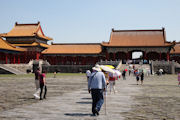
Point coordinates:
pixel 91 21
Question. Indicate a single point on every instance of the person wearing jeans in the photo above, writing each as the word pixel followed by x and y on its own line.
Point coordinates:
pixel 96 86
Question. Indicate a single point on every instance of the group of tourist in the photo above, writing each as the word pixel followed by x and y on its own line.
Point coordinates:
pixel 40 83
pixel 139 75
pixel 98 81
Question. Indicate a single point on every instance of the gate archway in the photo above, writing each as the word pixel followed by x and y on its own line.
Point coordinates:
pixel 152 56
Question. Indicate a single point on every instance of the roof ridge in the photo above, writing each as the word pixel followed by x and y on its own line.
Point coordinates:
pixel 19 24
pixel 76 43
pixel 140 30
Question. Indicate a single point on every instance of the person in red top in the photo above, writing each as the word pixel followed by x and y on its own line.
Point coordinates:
pixel 42 82
pixel 112 79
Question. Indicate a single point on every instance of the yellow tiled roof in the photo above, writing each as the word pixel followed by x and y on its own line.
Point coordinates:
pixel 176 49
pixel 33 44
pixel 73 49
pixel 6 46
pixel 137 38
pixel 22 30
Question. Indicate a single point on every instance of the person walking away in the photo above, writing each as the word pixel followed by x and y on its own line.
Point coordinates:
pixel 55 72
pixel 129 72
pixel 96 86
pixel 124 75
pixel 37 76
pixel 142 77
pixel 137 76
pixel 179 78
pixel 112 82
pixel 88 73
pixel 43 85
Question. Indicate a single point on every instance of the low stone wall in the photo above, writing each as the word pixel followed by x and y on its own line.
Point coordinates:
pixel 169 67
pixel 2 71
pixel 66 68
pixel 177 69
pixel 21 67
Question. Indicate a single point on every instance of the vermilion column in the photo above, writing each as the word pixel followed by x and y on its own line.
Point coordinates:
pixel 127 55
pixel 37 55
pixel 25 53
pixel 84 59
pixel 114 56
pixel 6 58
pixel 159 56
pixel 65 60
pixel 18 59
pixel 53 59
pixel 77 60
pixel 74 60
pixel 107 56
pixel 14 59
pixel 94 60
pixel 145 57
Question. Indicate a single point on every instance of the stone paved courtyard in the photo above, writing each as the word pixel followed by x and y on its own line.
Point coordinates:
pixel 68 99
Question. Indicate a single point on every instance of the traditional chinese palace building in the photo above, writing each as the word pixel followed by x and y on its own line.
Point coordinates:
pixel 9 53
pixel 30 37
pixel 29 42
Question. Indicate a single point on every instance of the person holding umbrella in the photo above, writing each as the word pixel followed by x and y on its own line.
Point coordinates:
pixel 96 86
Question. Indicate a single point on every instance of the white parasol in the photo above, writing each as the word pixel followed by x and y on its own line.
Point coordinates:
pixel 107 69
pixel 117 73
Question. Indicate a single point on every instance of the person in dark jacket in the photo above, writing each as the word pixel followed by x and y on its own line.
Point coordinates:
pixel 124 75
pixel 142 77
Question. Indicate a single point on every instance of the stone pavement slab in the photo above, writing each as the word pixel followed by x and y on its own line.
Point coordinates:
pixel 131 102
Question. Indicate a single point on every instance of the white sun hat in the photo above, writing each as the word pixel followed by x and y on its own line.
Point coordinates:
pixel 97 68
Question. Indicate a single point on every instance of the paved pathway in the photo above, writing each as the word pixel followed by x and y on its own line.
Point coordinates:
pixel 77 106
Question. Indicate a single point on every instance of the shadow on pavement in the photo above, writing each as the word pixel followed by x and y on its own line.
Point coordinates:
pixel 133 84
pixel 26 99
pixel 77 114
pixel 86 98
pixel 149 85
pixel 84 102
